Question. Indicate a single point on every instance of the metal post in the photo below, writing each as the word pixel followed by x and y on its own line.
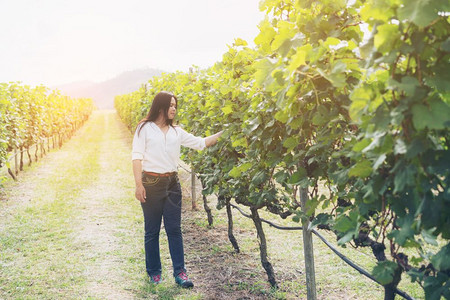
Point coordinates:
pixel 308 250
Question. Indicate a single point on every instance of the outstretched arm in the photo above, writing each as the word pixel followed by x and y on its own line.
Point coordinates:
pixel 212 139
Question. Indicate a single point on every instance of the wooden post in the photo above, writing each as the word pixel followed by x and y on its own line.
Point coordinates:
pixel 16 163
pixel 193 191
pixel 11 172
pixel 21 159
pixel 308 250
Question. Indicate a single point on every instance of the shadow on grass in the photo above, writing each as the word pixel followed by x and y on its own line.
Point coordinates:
pixel 217 271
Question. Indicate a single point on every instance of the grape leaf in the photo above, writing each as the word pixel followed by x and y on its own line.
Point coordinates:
pixel 361 169
pixel 384 271
pixel 420 12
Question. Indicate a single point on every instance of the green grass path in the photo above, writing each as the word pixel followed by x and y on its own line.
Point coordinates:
pixel 70 228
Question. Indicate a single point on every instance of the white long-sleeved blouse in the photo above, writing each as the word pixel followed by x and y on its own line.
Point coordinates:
pixel 159 152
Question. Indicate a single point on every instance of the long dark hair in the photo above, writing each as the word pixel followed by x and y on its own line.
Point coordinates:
pixel 161 102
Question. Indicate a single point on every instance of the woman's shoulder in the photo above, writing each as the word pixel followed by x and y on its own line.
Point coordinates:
pixel 144 126
pixel 179 130
pixel 178 127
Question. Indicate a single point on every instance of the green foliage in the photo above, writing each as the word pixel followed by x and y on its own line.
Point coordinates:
pixel 403 118
pixel 317 102
pixel 28 115
pixel 384 271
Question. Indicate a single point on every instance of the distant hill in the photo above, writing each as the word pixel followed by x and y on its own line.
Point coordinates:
pixel 103 93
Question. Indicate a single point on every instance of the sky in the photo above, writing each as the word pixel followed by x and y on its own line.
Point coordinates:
pixel 54 42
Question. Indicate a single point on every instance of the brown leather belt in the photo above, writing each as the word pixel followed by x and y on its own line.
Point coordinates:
pixel 168 174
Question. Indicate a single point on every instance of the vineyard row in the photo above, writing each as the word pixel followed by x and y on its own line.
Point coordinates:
pixel 30 116
pixel 332 128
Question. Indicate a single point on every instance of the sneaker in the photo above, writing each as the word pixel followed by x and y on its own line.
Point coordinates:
pixel 182 280
pixel 156 279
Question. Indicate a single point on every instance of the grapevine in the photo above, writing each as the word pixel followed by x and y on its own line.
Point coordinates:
pixel 29 116
pixel 360 123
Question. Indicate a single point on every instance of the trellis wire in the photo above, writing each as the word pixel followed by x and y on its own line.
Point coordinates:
pixel 324 240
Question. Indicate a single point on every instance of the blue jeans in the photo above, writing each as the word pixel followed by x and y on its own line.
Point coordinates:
pixel 163 201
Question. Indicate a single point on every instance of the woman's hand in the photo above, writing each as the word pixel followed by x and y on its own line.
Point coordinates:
pixel 140 193
pixel 137 172
pixel 212 139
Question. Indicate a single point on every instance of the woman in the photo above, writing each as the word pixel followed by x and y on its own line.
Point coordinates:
pixel 155 155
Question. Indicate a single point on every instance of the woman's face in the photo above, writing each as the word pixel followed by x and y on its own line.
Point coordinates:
pixel 172 109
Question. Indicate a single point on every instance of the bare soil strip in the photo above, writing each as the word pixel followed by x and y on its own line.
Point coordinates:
pixel 97 225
